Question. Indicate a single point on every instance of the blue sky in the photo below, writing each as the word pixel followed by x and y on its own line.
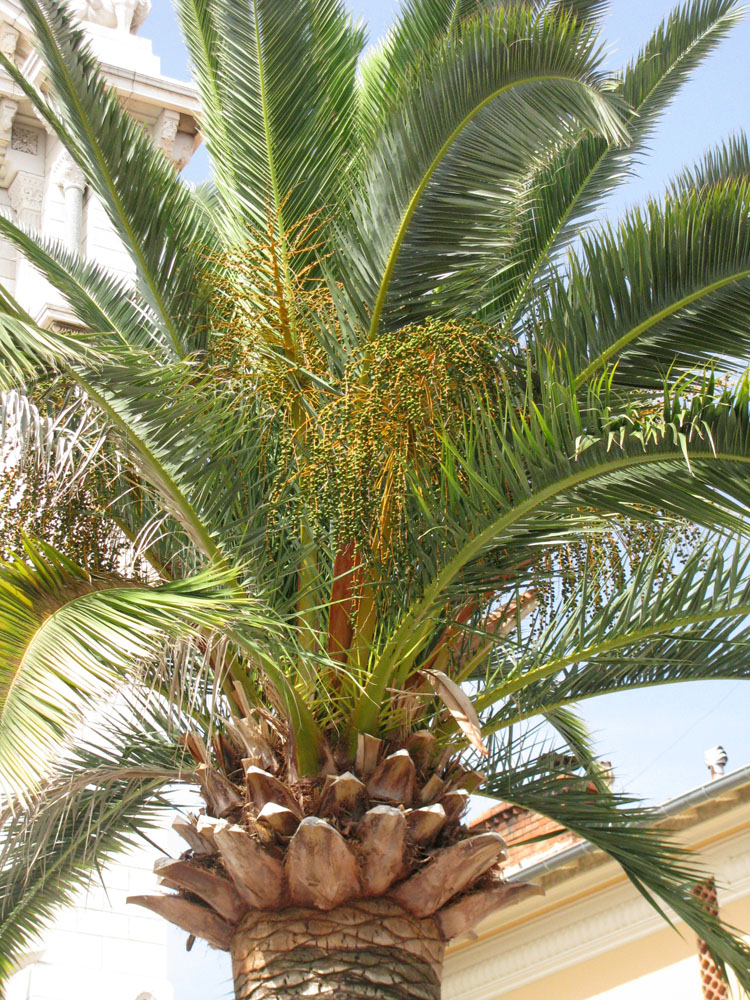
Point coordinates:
pixel 656 738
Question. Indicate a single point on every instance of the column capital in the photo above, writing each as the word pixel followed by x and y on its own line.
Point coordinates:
pixel 67 173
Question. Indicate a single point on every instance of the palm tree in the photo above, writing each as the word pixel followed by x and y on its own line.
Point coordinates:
pixel 384 463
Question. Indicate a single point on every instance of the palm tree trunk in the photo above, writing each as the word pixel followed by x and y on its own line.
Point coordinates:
pixel 366 949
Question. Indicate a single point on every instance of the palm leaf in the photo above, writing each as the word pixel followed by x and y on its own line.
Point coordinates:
pixel 86 815
pixel 544 477
pixel 561 198
pixel 101 301
pixel 662 871
pixel 728 161
pixel 69 638
pixel 277 82
pixel 440 188
pixel 669 289
pixel 647 633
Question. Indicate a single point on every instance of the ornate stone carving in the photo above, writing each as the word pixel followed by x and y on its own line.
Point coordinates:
pixel 8 110
pixel 124 15
pixel 68 174
pixel 8 41
pixel 7 114
pixel 165 129
pixel 25 195
pixel 182 150
pixel 24 140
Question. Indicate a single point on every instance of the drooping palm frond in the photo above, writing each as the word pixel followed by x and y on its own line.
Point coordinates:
pixel 419 27
pixel 26 350
pixel 663 871
pixel 87 814
pixel 67 639
pixel 560 199
pixel 661 305
pixel 539 478
pixel 649 632
pixel 101 301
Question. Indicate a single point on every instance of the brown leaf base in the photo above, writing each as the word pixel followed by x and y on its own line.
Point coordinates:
pixel 364 949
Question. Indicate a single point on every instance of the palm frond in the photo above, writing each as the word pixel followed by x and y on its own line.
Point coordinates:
pixel 561 198
pixel 537 479
pixel 101 301
pixel 667 291
pixel 87 814
pixel 728 161
pixel 277 81
pixel 589 10
pixel 420 27
pixel 439 191
pixel 693 627
pixel 662 871
pixel 27 350
pixel 69 638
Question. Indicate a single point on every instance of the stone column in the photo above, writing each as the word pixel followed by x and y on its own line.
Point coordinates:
pixel 70 178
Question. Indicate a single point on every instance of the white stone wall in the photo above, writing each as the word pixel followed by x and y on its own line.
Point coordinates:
pixel 102 948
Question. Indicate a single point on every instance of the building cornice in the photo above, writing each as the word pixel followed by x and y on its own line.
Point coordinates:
pixel 514 957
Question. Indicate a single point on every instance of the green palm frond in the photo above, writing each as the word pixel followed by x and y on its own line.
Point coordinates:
pixel 68 638
pixel 590 10
pixel 728 161
pixel 27 350
pixel 135 395
pixel 561 198
pixel 101 301
pixel 420 27
pixel 664 872
pixel 540 478
pixel 446 170
pixel 658 303
pixel 151 210
pixel 277 78
pixel 87 814
pixel 649 632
